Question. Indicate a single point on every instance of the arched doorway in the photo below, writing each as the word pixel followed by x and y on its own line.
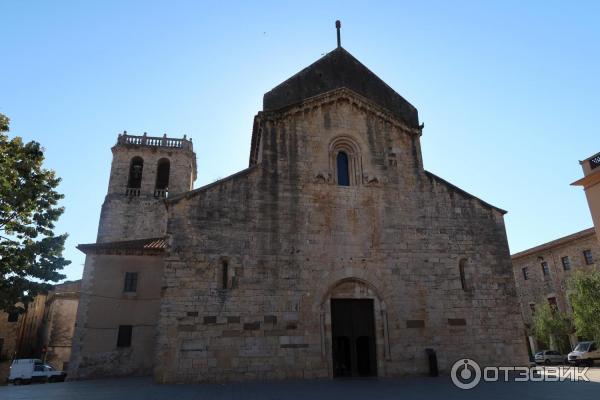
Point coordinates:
pixel 354 329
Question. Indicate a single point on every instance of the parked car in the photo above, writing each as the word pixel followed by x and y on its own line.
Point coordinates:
pixel 584 354
pixel 549 357
pixel 27 370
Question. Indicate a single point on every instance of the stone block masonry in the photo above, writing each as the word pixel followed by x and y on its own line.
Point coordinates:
pixel 334 254
pixel 138 214
pixel 293 240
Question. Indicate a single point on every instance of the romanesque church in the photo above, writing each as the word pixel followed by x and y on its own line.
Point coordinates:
pixel 334 254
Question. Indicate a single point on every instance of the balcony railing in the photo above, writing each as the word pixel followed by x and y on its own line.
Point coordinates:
pixel 154 141
pixel 133 192
pixel 161 193
pixel 136 192
pixel 595 161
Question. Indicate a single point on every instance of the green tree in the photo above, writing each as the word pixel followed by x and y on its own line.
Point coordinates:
pixel 30 253
pixel 584 289
pixel 548 321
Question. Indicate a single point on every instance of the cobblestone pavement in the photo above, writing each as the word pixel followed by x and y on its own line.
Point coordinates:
pixel 408 388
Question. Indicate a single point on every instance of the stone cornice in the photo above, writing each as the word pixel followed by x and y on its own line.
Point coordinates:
pixel 584 234
pixel 335 96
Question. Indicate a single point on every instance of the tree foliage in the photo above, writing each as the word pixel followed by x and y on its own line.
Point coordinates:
pixel 548 321
pixel 584 289
pixel 30 253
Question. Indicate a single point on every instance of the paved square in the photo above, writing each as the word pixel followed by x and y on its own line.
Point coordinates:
pixel 408 388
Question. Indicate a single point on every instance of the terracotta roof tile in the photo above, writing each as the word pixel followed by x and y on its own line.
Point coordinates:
pixel 150 244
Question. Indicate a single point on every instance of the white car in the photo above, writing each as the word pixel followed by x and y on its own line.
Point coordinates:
pixel 584 354
pixel 27 370
pixel 549 357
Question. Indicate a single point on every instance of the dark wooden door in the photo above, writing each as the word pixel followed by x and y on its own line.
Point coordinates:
pixel 353 337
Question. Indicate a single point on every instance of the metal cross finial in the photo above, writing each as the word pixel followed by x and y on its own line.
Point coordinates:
pixel 338 25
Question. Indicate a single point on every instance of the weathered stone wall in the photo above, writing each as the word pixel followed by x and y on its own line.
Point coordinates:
pixel 128 218
pixel 9 334
pixel 538 287
pixel 134 217
pixel 26 337
pixel 30 342
pixel 104 306
pixel 59 323
pixel 293 239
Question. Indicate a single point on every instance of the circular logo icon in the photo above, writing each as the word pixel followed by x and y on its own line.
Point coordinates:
pixel 465 373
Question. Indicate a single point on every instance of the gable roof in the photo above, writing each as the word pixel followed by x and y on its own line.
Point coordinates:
pixel 335 70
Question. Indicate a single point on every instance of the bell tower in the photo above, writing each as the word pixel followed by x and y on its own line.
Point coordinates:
pixel 144 171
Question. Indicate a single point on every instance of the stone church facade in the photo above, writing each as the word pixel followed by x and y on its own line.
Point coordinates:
pixel 335 253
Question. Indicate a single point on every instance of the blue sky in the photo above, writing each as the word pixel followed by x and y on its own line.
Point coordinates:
pixel 508 90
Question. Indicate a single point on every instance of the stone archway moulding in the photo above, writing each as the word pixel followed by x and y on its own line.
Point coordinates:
pixel 360 277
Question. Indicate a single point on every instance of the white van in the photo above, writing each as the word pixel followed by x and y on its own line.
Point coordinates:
pixel 27 370
pixel 584 354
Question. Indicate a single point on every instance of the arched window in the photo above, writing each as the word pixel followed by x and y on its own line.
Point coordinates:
pixel 343 175
pixel 135 173
pixel 461 270
pixel 345 162
pixel 162 178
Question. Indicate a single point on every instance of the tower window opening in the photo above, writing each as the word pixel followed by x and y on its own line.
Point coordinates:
pixel 343 176
pixel 224 275
pixel 461 270
pixel 161 187
pixel 134 182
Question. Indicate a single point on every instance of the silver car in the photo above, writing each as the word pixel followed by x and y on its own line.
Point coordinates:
pixel 549 357
pixel 584 354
